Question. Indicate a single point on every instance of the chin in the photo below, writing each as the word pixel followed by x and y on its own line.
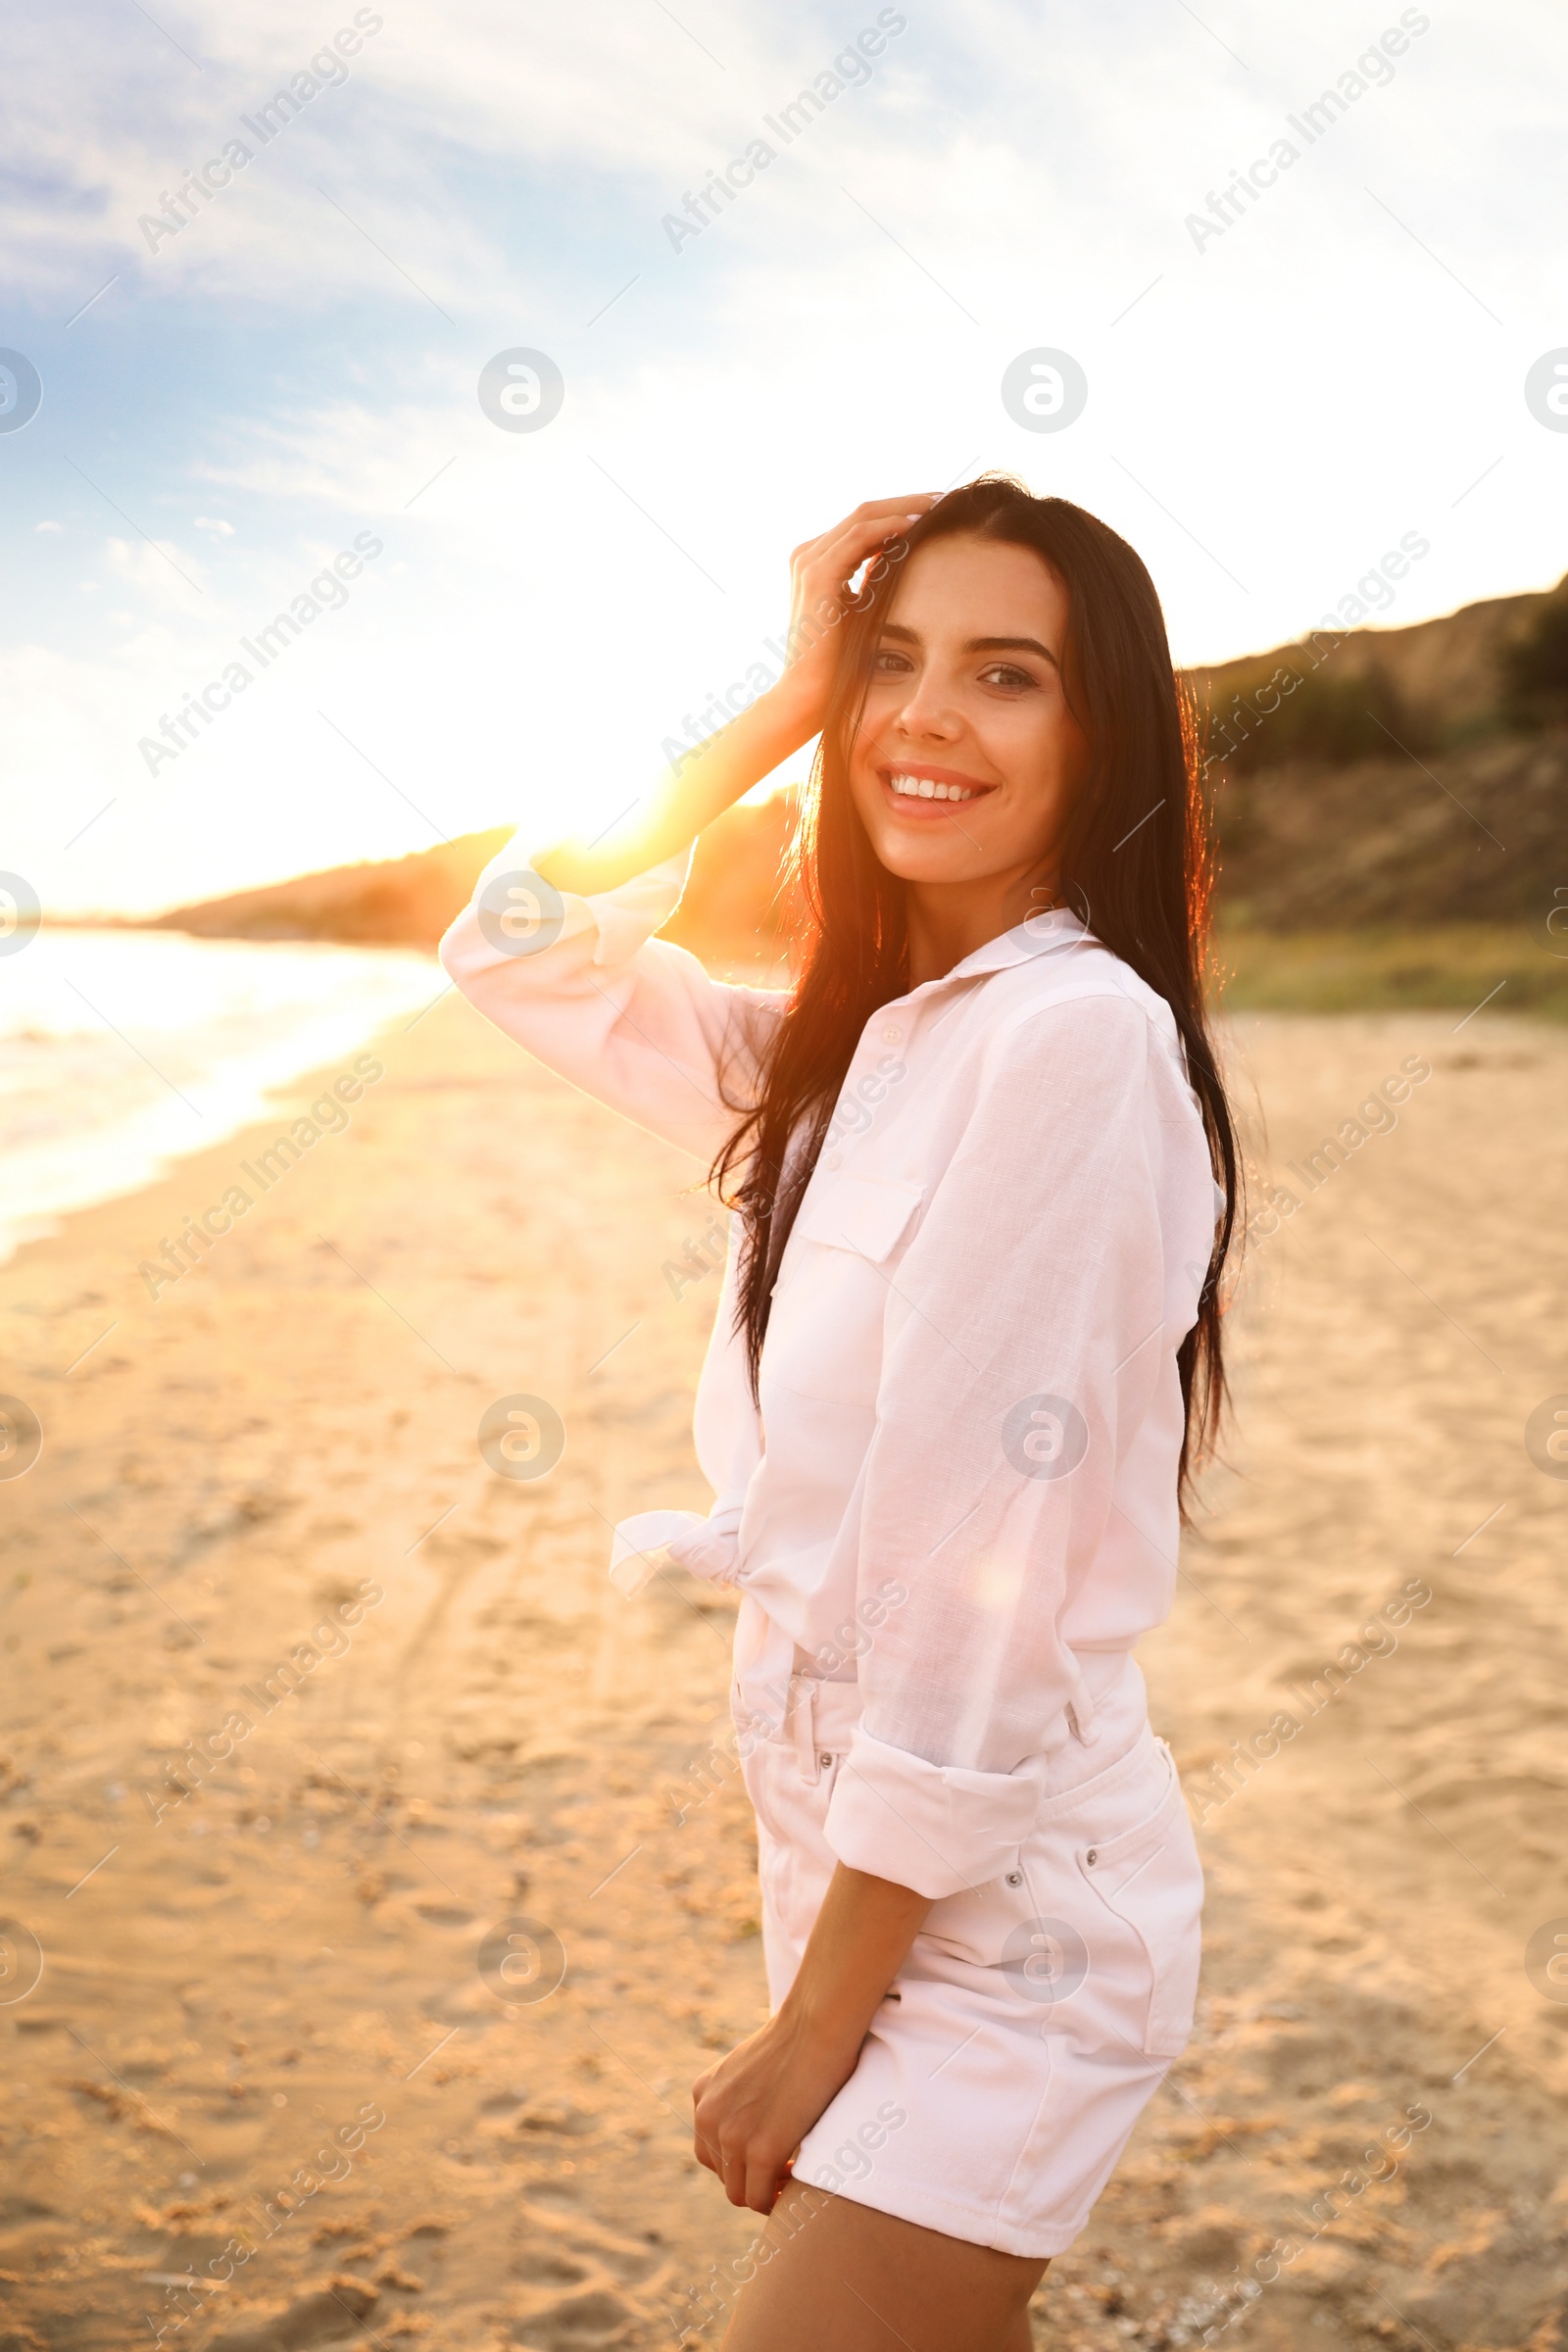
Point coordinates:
pixel 949 859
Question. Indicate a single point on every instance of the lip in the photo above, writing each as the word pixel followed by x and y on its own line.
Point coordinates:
pixel 919 810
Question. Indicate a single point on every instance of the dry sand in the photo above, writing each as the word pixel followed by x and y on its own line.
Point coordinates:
pixel 302 1945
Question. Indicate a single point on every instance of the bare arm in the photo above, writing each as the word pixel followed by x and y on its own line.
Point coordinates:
pixel 754 2107
pixel 712 778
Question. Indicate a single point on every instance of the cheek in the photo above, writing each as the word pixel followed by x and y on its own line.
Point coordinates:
pixel 1039 748
pixel 1063 744
pixel 867 755
pixel 882 705
pixel 865 789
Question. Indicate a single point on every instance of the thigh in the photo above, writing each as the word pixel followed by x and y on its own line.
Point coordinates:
pixel 843 2278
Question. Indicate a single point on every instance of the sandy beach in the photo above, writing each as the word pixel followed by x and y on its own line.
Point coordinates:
pixel 373 2017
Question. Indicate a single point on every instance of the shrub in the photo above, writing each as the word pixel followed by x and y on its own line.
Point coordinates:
pixel 1535 667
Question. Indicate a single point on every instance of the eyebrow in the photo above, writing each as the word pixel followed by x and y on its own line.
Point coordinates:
pixel 981 645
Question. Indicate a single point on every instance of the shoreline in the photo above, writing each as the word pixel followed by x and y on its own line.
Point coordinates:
pixel 210 1171
pixel 141 1111
pixel 327 1115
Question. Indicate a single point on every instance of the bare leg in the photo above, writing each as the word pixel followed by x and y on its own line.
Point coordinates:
pixel 840 2278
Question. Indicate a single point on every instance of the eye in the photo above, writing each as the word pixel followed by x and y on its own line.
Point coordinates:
pixel 888 661
pixel 1007 675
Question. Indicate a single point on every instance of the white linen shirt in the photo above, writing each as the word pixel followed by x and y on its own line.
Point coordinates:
pixel 963 1471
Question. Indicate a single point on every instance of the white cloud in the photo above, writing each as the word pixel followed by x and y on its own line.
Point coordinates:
pixel 158 572
pixel 1264 417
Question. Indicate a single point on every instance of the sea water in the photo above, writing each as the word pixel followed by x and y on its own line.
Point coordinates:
pixel 122 1051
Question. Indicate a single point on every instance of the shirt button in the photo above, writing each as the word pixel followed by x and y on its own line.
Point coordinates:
pixel 832 1161
pixel 893 1033
pixel 1091 1856
pixel 825 1762
pixel 1015 1878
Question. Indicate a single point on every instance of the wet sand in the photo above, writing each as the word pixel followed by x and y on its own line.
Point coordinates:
pixel 309 1952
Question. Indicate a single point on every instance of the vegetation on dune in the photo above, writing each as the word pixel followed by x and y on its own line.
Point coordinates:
pixel 1535 666
pixel 1387 969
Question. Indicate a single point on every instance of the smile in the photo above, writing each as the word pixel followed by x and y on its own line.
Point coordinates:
pixel 932 784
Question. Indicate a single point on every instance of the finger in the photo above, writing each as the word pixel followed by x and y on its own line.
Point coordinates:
pixel 839 558
pixel 870 520
pixel 867 530
pixel 762 2186
pixel 916 503
pixel 707 2150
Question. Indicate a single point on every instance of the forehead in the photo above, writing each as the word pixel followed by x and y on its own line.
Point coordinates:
pixel 965 587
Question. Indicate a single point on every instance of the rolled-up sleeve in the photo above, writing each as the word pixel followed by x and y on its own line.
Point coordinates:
pixel 582 982
pixel 1030 1344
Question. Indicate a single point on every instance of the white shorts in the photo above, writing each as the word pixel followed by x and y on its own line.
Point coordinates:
pixel 1035 2015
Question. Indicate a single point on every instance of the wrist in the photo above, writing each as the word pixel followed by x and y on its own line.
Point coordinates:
pixel 818 2027
pixel 790 710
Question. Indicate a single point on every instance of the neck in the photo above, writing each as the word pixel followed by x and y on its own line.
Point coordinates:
pixel 945 921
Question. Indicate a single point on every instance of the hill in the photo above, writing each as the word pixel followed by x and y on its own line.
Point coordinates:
pixel 409 902
pixel 1369 778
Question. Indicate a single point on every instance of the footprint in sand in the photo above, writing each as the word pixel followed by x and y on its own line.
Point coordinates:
pixel 549 2269
pixel 591 2264
pixel 594 2319
pixel 338 2308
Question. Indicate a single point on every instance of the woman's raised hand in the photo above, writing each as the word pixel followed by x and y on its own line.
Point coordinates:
pixel 712 777
pixel 821 573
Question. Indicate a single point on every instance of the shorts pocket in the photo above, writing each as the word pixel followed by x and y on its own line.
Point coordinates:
pixel 1151 1877
pixel 980 1924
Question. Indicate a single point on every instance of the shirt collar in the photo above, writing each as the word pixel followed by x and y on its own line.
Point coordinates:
pixel 1050 931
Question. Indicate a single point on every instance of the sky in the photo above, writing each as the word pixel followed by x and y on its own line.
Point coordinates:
pixel 517 611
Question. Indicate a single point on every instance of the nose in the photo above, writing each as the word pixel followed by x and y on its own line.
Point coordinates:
pixel 929 712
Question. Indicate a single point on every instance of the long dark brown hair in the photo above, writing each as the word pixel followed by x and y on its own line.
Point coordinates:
pixel 1144 888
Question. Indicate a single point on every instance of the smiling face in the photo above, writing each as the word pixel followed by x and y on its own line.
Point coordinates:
pixel 967 758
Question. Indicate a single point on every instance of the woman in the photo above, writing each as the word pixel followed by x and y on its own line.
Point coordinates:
pixel 971 1300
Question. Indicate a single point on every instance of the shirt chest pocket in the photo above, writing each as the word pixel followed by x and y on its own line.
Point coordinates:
pixel 824 1332
pixel 866 1215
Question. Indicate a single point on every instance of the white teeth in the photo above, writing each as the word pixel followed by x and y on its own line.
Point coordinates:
pixel 922 788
